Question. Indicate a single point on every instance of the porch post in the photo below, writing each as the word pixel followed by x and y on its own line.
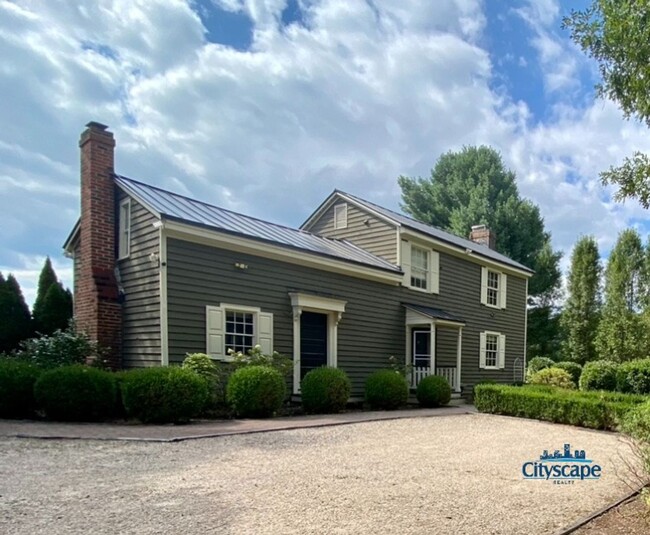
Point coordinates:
pixel 408 357
pixel 458 358
pixel 297 311
pixel 432 342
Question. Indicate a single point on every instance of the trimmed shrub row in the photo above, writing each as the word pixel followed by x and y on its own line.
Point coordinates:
pixel 596 410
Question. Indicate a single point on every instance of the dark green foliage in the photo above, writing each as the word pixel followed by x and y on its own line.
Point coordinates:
pixel 433 391
pixel 579 319
pixel 163 395
pixel 46 279
pixel 76 393
pixel 599 375
pixel 17 380
pixel 634 377
pixel 596 410
pixel 15 319
pixel 386 390
pixel 56 311
pixel 573 368
pixel 637 423
pixel 325 390
pixel 60 349
pixel 538 363
pixel 543 331
pixel 552 377
pixel 256 391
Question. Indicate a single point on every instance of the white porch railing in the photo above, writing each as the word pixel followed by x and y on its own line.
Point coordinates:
pixel 420 372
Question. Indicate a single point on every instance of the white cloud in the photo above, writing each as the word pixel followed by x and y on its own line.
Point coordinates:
pixel 359 94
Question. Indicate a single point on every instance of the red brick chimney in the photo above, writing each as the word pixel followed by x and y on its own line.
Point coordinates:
pixel 97 307
pixel 483 235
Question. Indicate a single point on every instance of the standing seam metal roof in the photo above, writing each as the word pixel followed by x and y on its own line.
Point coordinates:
pixel 434 232
pixel 174 206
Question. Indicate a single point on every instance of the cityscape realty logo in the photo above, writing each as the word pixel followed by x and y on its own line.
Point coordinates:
pixel 562 468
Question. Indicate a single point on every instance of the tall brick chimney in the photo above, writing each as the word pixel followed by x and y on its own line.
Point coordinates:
pixel 97 307
pixel 483 235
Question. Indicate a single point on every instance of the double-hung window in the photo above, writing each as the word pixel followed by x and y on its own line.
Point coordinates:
pixel 124 238
pixel 492 350
pixel 493 288
pixel 421 267
pixel 237 328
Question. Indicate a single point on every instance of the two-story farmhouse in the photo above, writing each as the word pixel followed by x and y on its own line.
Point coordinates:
pixel 158 275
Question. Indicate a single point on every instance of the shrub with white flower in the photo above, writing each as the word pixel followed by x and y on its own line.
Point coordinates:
pixel 256 357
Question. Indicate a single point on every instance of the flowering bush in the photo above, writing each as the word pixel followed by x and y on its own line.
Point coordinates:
pixel 255 357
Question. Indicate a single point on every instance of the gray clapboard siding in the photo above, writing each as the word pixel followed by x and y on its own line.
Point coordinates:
pixel 141 282
pixel 376 237
pixel 372 327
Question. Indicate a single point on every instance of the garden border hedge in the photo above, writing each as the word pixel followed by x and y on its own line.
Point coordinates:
pixel 595 410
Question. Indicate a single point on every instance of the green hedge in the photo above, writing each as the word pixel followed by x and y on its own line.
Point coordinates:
pixel 574 369
pixel 163 395
pixel 386 390
pixel 76 393
pixel 634 377
pixel 17 380
pixel 433 391
pixel 325 390
pixel 596 410
pixel 599 375
pixel 256 391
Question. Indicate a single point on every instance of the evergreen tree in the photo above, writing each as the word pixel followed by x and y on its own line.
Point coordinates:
pixel 621 332
pixel 56 310
pixel 45 280
pixel 579 321
pixel 15 319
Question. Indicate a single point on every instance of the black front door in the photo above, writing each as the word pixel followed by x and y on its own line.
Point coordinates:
pixel 313 341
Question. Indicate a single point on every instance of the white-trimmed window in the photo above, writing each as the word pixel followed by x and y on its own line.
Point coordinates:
pixel 340 216
pixel 493 288
pixel 124 237
pixel 421 267
pixel 237 327
pixel 492 350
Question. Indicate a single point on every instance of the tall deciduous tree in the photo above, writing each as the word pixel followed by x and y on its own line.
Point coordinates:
pixel 579 321
pixel 474 187
pixel 616 33
pixel 621 332
pixel 15 318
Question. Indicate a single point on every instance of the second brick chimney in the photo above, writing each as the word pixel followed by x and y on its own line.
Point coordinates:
pixel 483 235
pixel 97 307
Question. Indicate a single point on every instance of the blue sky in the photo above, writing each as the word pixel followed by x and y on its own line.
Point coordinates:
pixel 265 106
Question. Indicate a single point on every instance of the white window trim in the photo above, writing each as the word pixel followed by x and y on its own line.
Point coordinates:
pixel 501 292
pixel 334 309
pixel 501 350
pixel 343 209
pixel 124 246
pixel 219 352
pixel 433 264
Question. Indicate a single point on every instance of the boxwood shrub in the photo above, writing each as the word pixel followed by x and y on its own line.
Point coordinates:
pixel 76 393
pixel 325 390
pixel 596 410
pixel 634 377
pixel 599 375
pixel 256 391
pixel 17 380
pixel 573 368
pixel 433 391
pixel 167 394
pixel 386 390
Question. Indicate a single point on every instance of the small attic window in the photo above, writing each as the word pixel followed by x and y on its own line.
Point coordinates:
pixel 341 216
pixel 124 237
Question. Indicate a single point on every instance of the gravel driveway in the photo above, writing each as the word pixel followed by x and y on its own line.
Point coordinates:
pixel 451 474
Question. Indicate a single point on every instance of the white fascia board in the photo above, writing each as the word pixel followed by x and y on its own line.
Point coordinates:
pixel 275 252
